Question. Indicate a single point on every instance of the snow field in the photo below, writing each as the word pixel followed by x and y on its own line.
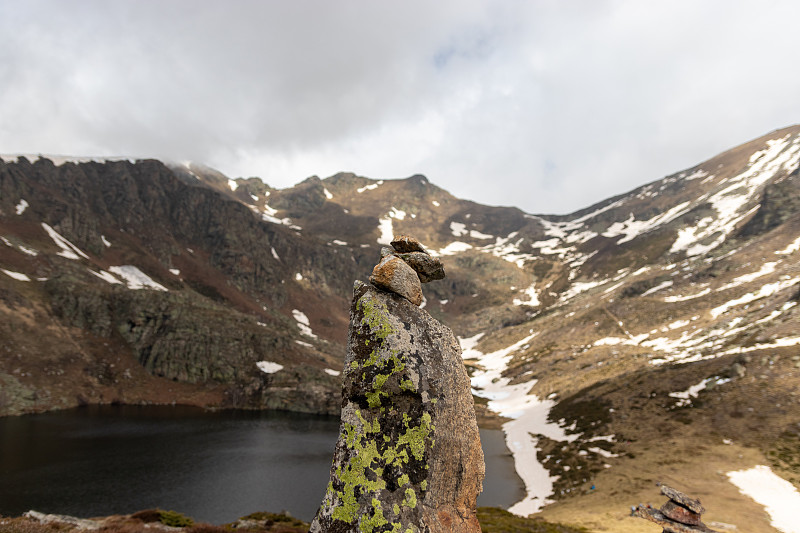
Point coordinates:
pixel 779 497
pixel 529 417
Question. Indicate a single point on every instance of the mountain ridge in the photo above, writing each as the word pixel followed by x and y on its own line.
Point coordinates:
pixel 674 304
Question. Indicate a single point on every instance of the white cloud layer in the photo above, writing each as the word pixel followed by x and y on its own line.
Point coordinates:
pixel 549 106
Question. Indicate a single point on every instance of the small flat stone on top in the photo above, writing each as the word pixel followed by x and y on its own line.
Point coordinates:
pixel 428 268
pixel 407 243
pixel 385 250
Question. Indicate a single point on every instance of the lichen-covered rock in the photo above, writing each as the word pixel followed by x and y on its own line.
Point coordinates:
pixel 428 268
pixel 394 275
pixel 408 458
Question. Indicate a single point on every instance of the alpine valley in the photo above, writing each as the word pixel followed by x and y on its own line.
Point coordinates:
pixel 654 336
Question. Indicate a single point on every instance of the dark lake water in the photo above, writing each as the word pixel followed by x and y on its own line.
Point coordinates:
pixel 212 466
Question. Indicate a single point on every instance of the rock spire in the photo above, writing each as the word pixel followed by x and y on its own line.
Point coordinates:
pixel 408 458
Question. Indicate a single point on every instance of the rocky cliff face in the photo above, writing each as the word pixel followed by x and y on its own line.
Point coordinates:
pixel 130 268
pixel 675 304
pixel 408 456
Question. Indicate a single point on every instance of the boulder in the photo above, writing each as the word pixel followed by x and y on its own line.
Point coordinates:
pixel 408 458
pixel 394 275
pixel 407 243
pixel 428 268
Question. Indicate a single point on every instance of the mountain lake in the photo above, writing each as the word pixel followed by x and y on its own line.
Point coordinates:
pixel 214 466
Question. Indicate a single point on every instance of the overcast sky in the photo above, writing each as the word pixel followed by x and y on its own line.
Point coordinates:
pixel 549 106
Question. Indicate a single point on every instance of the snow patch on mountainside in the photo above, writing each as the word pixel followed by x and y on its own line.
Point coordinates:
pixel 792 248
pixel 386 230
pixel 779 497
pixel 21 206
pixel 685 397
pixel 631 228
pixel 303 323
pixel 269 216
pixel 68 250
pixel 459 229
pixel 766 290
pixel 22 248
pixel 532 299
pixel 508 249
pixel 268 367
pixel 468 345
pixel 451 249
pixel 135 278
pixel 732 200
pixel 106 276
pixel 529 417
pixel 370 187
pixel 16 275
pixel 385 225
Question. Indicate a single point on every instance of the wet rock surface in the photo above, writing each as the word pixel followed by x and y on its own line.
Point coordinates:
pixel 408 458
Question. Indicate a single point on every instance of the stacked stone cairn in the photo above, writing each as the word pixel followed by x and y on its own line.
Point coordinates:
pixel 408 458
pixel 681 514
pixel 404 267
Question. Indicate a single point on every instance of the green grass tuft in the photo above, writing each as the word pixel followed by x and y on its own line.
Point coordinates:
pixel 496 520
pixel 174 519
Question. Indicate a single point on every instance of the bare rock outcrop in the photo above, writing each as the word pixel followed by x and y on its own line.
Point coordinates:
pixel 408 458
pixel 681 514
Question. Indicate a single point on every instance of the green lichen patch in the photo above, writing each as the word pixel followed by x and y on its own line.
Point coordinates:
pixel 374 315
pixel 378 469
pixel 381 367
pixel 411 498
pixel 387 432
pixel 374 519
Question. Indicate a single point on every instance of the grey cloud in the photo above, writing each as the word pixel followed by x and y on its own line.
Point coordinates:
pixel 549 106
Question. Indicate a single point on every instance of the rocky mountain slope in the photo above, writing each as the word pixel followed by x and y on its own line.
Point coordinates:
pixel 652 334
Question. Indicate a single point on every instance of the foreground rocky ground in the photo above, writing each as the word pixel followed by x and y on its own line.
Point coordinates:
pixel 492 520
